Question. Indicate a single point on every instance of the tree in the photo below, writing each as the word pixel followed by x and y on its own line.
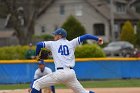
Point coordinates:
pixel 23 14
pixel 127 33
pixel 138 34
pixel 73 28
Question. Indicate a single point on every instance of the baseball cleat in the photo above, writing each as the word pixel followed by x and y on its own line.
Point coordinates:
pixel 91 92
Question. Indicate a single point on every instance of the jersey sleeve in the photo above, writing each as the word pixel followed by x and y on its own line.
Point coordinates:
pixel 76 42
pixel 47 44
pixel 44 44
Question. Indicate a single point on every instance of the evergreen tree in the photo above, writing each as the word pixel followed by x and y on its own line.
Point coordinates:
pixel 138 34
pixel 127 33
pixel 73 28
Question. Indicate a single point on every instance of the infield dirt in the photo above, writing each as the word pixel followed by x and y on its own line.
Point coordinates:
pixel 97 90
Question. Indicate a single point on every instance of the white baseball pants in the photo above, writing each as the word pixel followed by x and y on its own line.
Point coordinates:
pixel 65 76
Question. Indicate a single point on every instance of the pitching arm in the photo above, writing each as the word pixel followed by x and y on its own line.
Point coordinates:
pixel 92 37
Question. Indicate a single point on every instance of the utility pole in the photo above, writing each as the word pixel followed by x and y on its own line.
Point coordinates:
pixel 112 19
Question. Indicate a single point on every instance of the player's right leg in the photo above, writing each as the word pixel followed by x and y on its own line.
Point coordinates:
pixel 75 85
pixel 91 92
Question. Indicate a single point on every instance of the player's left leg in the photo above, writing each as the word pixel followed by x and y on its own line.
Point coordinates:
pixel 40 91
pixel 46 90
pixel 45 81
pixel 50 89
pixel 51 79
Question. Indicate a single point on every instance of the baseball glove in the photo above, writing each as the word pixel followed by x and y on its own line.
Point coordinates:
pixel 43 54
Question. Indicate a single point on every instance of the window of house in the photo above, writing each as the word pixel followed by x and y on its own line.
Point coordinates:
pixel 42 29
pixel 62 9
pixel 135 29
pixel 78 10
pixel 99 29
pixel 137 8
pixel 116 28
pixel 120 7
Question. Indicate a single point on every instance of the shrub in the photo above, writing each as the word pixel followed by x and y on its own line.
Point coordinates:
pixel 89 51
pixel 18 52
pixel 73 28
pixel 13 52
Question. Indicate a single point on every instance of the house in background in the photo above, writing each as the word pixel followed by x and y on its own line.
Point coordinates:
pixel 8 38
pixel 122 12
pixel 60 10
pixel 93 14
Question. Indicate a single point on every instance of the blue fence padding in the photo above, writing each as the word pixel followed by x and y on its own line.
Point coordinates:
pixel 18 73
pixel 108 70
pixel 24 72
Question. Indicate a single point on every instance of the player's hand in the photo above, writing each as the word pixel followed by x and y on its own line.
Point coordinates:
pixel 29 90
pixel 100 41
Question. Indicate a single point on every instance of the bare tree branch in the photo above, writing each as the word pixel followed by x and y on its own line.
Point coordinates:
pixel 31 10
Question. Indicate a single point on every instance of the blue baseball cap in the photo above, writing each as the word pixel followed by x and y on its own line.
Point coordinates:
pixel 41 62
pixel 60 31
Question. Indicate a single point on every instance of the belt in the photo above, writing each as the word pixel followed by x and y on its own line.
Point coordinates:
pixel 63 68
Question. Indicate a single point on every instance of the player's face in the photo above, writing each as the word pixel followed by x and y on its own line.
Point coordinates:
pixel 57 37
pixel 41 66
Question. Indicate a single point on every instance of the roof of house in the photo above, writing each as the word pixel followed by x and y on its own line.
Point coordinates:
pixel 134 2
pixel 6 34
pixel 103 7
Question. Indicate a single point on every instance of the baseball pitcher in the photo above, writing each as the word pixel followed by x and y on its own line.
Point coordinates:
pixel 64 60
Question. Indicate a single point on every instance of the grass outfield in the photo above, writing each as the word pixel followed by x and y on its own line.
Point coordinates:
pixel 86 84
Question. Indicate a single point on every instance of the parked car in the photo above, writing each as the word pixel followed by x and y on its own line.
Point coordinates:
pixel 136 53
pixel 119 48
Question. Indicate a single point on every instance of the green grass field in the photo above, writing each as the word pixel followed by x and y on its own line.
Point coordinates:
pixel 86 84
